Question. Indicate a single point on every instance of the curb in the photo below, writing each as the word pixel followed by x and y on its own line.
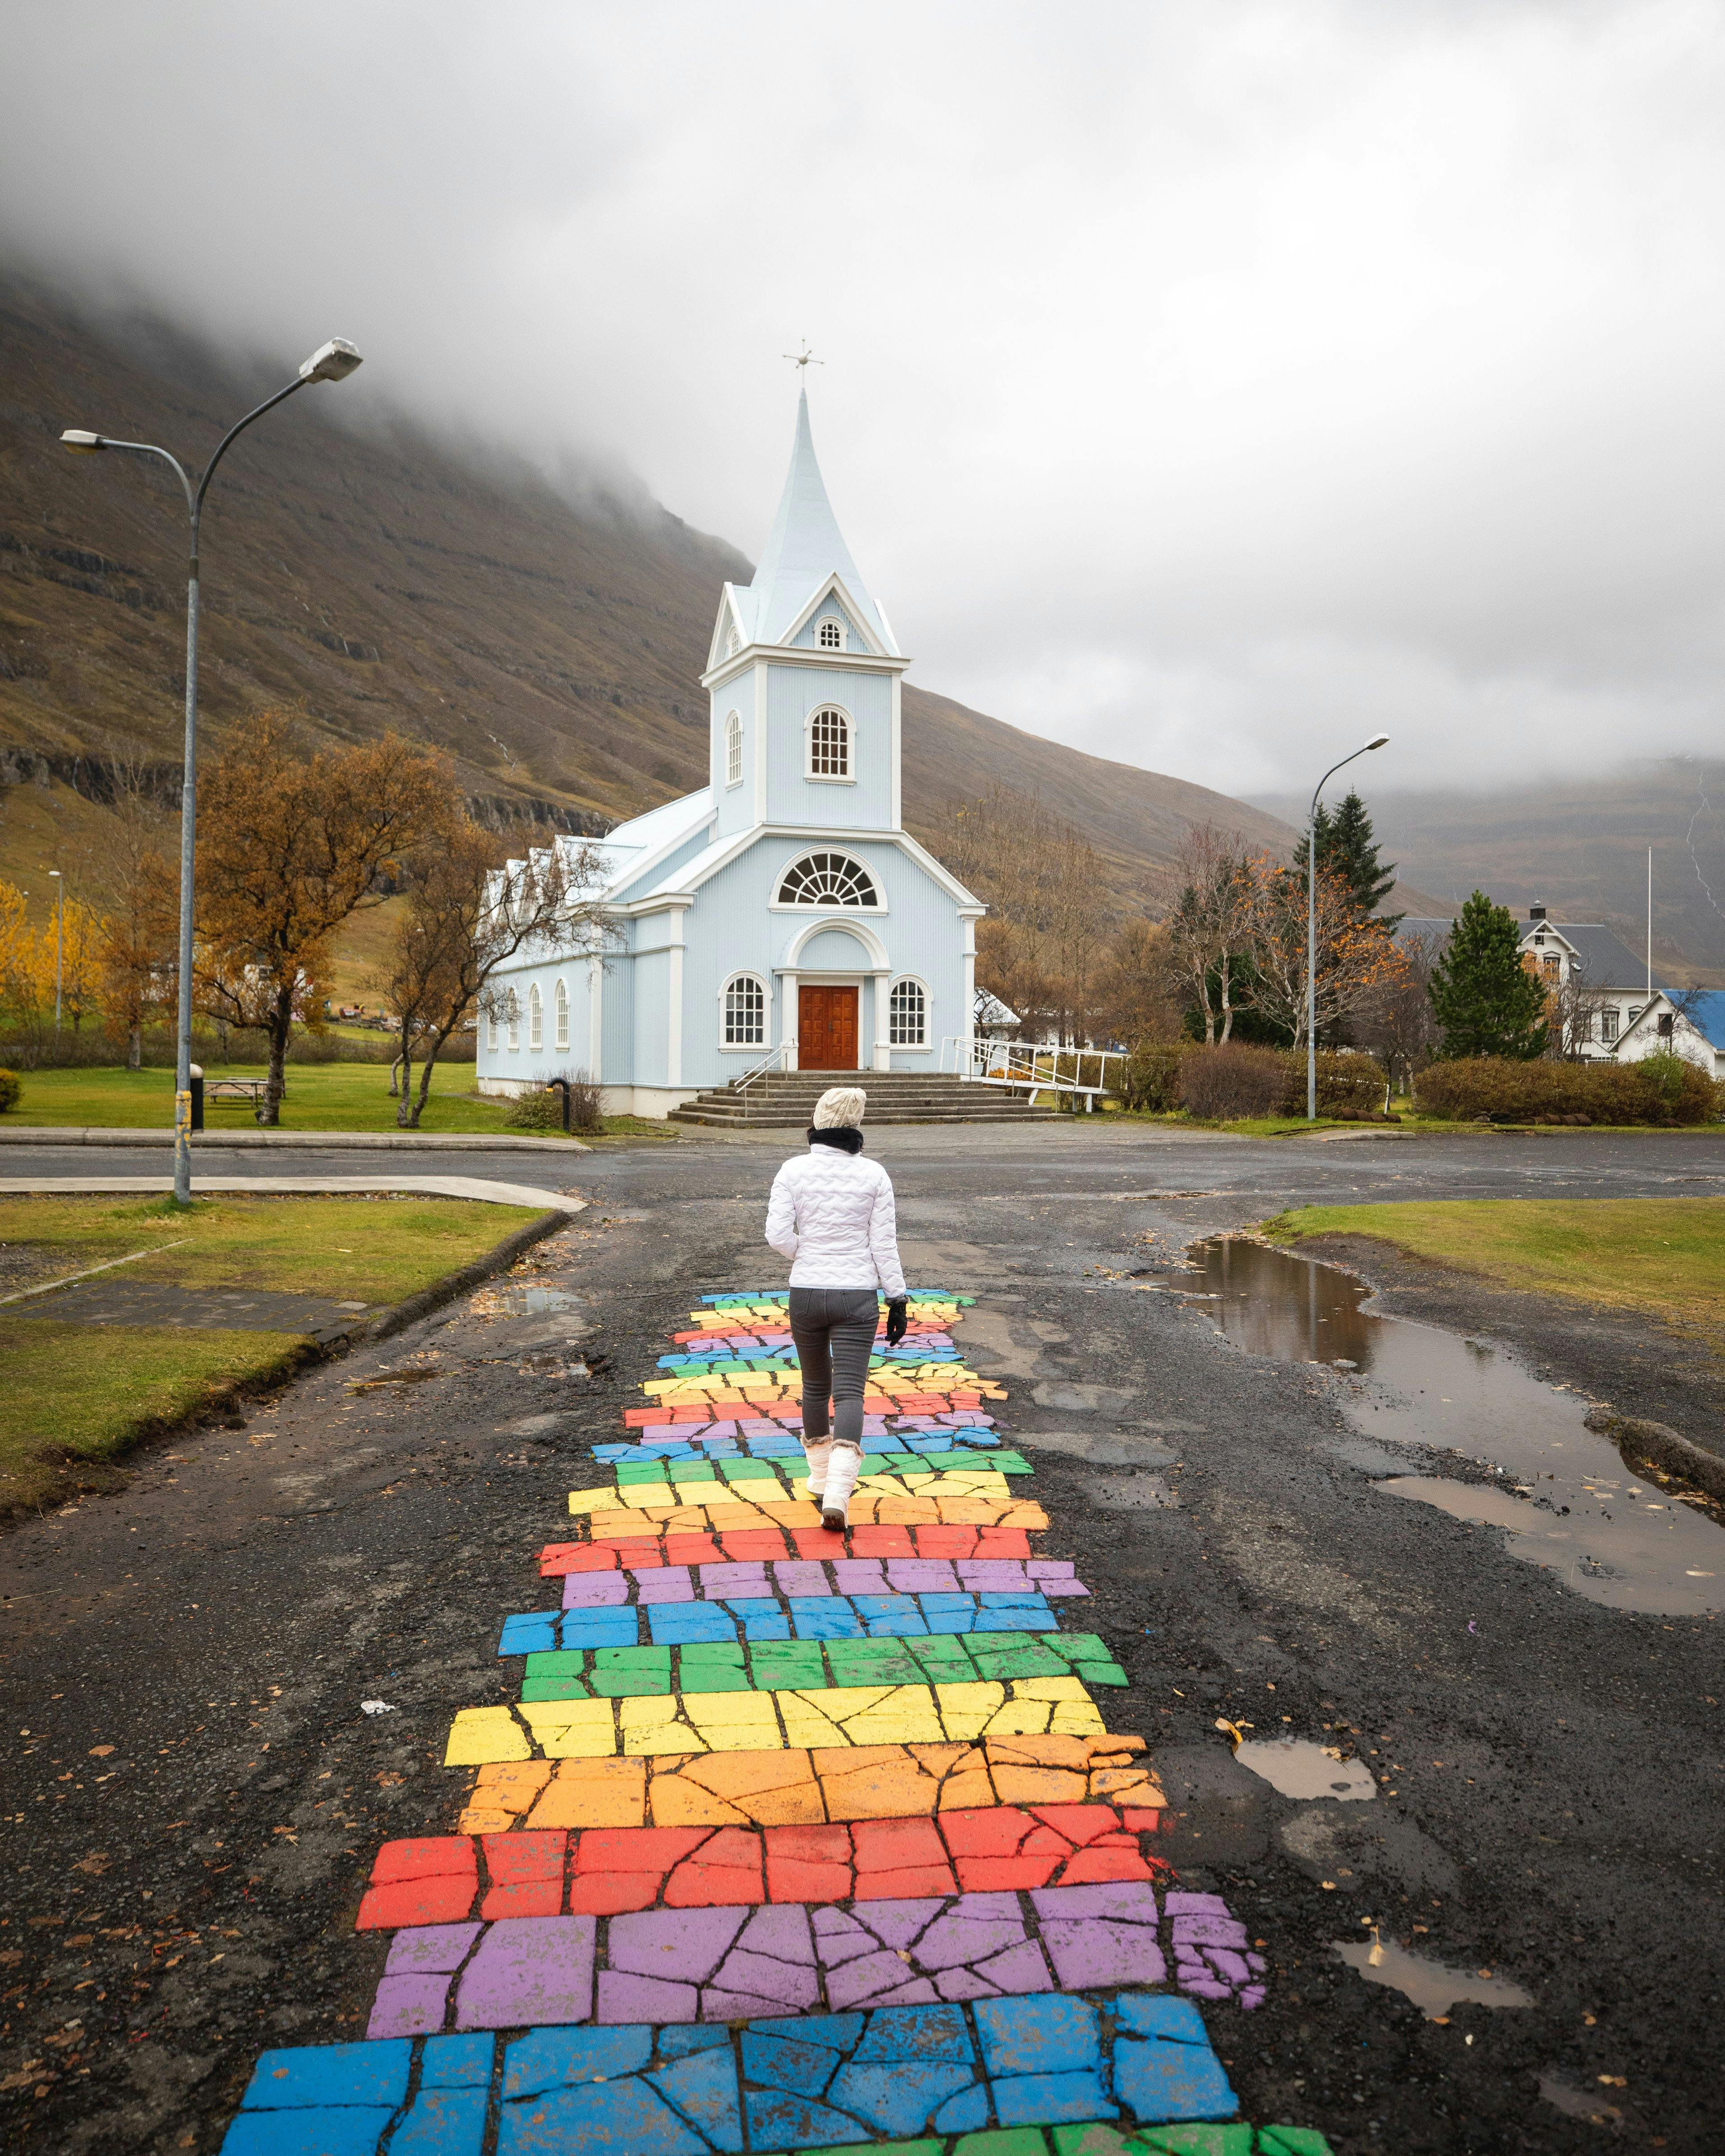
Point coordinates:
pixel 42 1135
pixel 1662 1447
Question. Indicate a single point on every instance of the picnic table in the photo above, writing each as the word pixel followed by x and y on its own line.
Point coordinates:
pixel 250 1090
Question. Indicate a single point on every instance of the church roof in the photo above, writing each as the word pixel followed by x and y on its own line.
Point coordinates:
pixel 629 850
pixel 804 549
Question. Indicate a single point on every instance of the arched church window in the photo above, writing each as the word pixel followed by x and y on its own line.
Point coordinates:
pixel 491 1025
pixel 560 1006
pixel 535 1018
pixel 733 750
pixel 733 644
pixel 830 635
pixel 828 879
pixel 745 1011
pixel 512 1015
pixel 907 1016
pixel 828 743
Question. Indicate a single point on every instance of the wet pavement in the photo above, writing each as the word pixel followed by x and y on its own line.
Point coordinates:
pixel 197 1794
pixel 1566 1499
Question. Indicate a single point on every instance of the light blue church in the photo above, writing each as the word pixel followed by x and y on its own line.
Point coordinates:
pixel 783 911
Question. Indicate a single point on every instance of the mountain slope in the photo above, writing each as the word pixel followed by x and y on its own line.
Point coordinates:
pixel 550 640
pixel 1580 845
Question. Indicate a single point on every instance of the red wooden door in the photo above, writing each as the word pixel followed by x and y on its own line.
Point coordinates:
pixel 826 1028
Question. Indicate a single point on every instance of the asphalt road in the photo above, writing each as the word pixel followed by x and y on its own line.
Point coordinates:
pixel 1548 1769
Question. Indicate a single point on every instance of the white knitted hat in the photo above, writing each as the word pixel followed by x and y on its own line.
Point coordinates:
pixel 840 1107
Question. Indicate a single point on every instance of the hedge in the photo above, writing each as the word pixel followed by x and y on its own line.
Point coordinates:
pixel 1236 1080
pixel 1661 1088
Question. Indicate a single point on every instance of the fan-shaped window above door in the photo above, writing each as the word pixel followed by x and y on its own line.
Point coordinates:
pixel 828 879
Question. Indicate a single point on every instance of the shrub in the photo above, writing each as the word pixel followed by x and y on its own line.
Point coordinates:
pixel 1488 1088
pixel 543 1110
pixel 11 1090
pixel 1149 1080
pixel 1221 1084
pixel 1349 1088
pixel 534 1111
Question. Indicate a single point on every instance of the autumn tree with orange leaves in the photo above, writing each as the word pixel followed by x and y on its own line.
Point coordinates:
pixel 290 845
pixel 1357 959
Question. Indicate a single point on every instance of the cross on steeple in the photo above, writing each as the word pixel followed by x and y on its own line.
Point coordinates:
pixel 803 359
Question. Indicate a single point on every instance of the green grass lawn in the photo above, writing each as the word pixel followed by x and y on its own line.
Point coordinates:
pixel 319 1096
pixel 1661 1257
pixel 90 1390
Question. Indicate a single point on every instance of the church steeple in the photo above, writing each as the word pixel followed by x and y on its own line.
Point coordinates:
pixel 804 552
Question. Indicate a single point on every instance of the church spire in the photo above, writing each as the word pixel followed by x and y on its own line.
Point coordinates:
pixel 804 549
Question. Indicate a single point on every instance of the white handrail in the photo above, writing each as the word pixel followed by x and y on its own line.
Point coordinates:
pixel 760 1070
pixel 1038 1070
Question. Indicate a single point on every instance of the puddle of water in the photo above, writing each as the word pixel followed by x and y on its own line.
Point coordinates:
pixel 1566 1500
pixel 1295 1767
pixel 1433 1988
pixel 1578 2103
pixel 517 1301
pixel 392 1377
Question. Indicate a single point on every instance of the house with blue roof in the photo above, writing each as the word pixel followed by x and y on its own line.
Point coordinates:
pixel 1694 1028
pixel 781 915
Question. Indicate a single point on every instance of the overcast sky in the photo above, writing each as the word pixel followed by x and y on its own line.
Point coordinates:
pixel 1206 385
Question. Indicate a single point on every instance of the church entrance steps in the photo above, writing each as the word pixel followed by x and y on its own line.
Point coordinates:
pixel 894 1097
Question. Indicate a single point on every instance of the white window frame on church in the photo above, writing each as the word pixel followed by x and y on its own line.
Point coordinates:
pixel 744 1003
pixel 733 749
pixel 535 1017
pixel 491 1028
pixel 829 746
pixel 560 1008
pixel 907 1013
pixel 512 1016
pixel 829 634
pixel 827 876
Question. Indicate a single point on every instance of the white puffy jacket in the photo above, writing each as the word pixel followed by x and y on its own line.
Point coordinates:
pixel 832 1213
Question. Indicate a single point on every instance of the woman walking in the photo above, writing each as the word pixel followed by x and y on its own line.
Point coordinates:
pixel 831 1213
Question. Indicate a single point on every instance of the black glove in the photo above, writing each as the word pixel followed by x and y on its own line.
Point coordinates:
pixel 898 1321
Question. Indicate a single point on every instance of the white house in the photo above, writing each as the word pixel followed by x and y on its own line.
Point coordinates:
pixel 783 911
pixel 1696 1032
pixel 1607 982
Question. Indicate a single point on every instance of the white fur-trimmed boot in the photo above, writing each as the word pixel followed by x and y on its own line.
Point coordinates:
pixel 843 1468
pixel 817 1451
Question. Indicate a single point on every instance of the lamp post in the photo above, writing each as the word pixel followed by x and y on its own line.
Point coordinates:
pixel 1377 742
pixel 333 362
pixel 59 943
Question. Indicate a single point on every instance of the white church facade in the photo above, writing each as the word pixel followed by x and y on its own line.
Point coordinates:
pixel 783 913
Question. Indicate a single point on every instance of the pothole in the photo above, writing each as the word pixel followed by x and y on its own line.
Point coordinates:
pixel 1296 1767
pixel 1434 1988
pixel 516 1301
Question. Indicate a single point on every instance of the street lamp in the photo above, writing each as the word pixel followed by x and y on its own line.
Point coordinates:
pixel 60 942
pixel 1378 740
pixel 333 362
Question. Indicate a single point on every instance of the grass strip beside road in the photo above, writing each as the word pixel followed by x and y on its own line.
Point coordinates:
pixel 370 1250
pixel 85 1392
pixel 1661 1257
pixel 90 1390
pixel 320 1097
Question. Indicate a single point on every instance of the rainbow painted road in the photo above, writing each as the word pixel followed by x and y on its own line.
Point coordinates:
pixel 793 1840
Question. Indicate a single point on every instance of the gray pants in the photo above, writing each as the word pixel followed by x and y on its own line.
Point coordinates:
pixel 834 1329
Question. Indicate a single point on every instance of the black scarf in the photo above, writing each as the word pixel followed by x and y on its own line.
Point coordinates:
pixel 844 1136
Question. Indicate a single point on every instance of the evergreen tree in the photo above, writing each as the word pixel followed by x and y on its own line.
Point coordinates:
pixel 1486 1001
pixel 1347 849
